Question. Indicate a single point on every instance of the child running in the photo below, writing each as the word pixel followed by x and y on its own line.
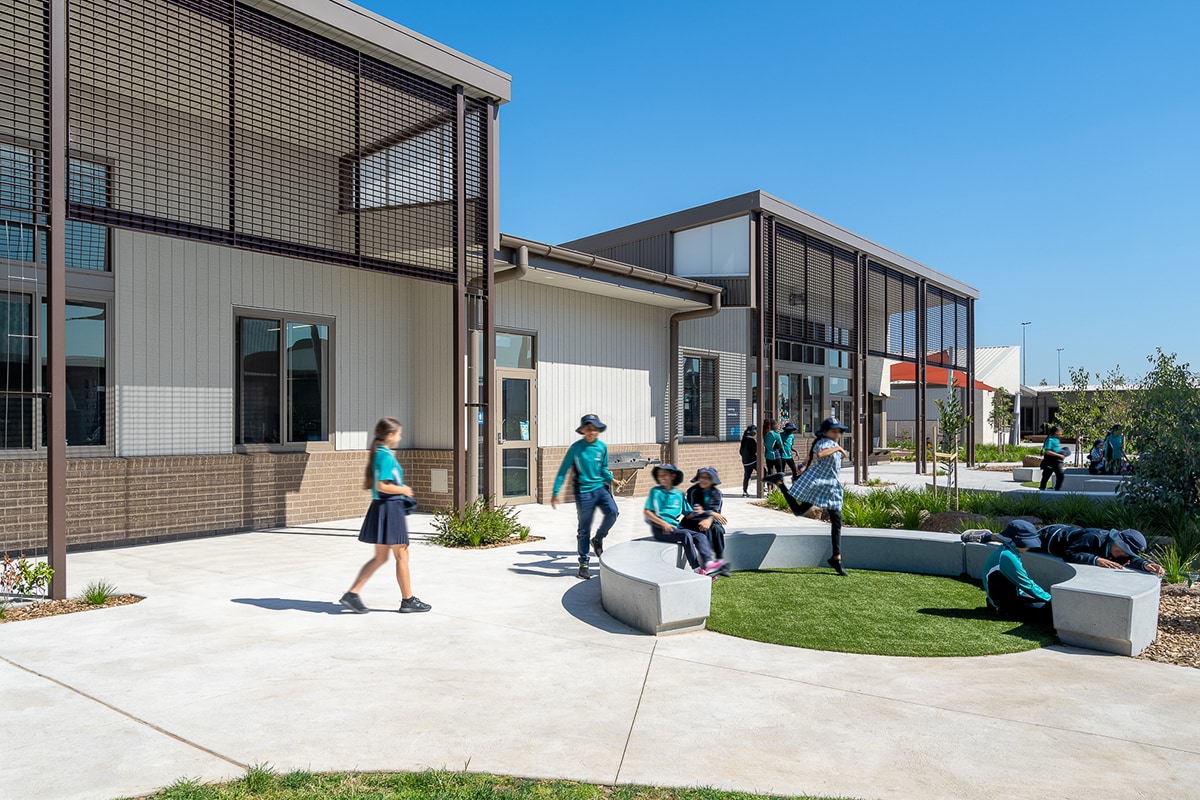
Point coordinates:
pixel 820 484
pixel 706 501
pixel 589 458
pixel 386 524
pixel 789 453
pixel 1053 456
pixel 772 446
pixel 665 508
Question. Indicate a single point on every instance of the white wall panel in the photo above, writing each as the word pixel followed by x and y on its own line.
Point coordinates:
pixel 595 355
pixel 174 359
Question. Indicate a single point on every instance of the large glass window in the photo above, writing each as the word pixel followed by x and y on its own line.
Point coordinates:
pixel 514 351
pixel 86 342
pixel 699 396
pixel 22 174
pixel 16 371
pixel 283 381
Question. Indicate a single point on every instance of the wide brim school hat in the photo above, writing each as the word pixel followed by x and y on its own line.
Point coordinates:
pixel 1022 534
pixel 751 431
pixel 790 428
pixel 1130 540
pixel 711 472
pixel 674 470
pixel 591 419
pixel 833 423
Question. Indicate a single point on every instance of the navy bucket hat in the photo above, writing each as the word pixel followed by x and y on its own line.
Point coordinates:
pixel 790 427
pixel 832 423
pixel 751 430
pixel 591 419
pixel 674 470
pixel 711 472
pixel 1022 534
pixel 1129 540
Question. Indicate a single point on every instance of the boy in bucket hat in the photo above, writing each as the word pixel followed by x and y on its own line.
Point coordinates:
pixel 665 509
pixel 589 458
pixel 1010 590
pixel 706 503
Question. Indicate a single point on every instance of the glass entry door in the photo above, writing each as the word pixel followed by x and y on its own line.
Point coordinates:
pixel 516 449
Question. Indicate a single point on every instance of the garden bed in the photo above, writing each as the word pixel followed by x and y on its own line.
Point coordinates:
pixel 494 545
pixel 53 608
pixel 1178 639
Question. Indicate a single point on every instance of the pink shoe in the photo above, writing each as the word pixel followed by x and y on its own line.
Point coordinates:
pixel 701 570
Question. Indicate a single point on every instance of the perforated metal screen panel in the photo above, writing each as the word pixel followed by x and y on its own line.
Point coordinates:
pixel 891 313
pixel 227 124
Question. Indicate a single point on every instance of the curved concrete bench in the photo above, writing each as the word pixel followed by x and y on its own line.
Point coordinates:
pixel 641 585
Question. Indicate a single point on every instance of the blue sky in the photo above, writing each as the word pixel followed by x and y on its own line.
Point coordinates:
pixel 1047 153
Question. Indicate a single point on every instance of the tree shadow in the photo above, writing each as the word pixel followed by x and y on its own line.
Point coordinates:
pixel 551 564
pixel 1041 632
pixel 287 604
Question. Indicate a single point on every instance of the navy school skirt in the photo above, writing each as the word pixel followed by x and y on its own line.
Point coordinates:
pixel 386 522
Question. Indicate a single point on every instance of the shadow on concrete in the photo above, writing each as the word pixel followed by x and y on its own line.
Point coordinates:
pixel 287 604
pixel 551 564
pixel 582 601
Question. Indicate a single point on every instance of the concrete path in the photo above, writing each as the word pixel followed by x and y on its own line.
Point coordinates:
pixel 240 655
pixel 903 474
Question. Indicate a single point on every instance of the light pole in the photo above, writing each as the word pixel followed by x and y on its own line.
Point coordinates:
pixel 1023 326
pixel 1060 366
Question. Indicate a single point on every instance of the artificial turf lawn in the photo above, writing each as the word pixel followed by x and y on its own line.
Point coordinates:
pixel 263 784
pixel 878 613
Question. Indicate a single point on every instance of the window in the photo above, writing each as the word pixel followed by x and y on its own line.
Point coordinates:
pixel 283 370
pixel 22 207
pixel 418 169
pixel 514 351
pixel 699 396
pixel 87 376
pixel 719 250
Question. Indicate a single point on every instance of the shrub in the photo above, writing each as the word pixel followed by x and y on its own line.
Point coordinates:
pixel 477 525
pixel 1166 422
pixel 1178 564
pixel 774 499
pixel 24 577
pixel 259 778
pixel 872 510
pixel 97 593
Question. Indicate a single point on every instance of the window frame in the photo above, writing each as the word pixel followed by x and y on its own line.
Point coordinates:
pixel 283 446
pixel 39 297
pixel 685 356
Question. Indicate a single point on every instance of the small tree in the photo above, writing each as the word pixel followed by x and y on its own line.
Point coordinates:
pixel 1078 414
pixel 952 421
pixel 1165 430
pixel 1114 401
pixel 1001 416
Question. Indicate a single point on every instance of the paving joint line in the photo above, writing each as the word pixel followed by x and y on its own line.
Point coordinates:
pixel 931 706
pixel 636 709
pixel 127 715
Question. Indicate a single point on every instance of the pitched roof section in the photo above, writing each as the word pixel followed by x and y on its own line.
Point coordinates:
pixel 769 204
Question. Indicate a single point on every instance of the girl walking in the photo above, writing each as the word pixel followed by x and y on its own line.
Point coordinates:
pixel 820 484
pixel 386 524
pixel 789 453
pixel 749 453
pixel 1052 459
pixel 772 446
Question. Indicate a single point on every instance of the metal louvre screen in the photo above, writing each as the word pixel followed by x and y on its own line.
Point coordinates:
pixel 477 198
pixel 223 123
pixel 946 332
pixel 814 289
pixel 891 313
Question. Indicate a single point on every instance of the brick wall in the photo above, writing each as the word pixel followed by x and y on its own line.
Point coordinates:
pixel 125 500
pixel 721 455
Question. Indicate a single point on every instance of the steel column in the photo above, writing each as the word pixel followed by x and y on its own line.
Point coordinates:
pixel 489 313
pixel 56 305
pixel 922 378
pixel 861 401
pixel 772 297
pixel 971 409
pixel 460 298
pixel 761 334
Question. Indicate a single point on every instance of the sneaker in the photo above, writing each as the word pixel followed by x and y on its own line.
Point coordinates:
pixel 976 536
pixel 413 605
pixel 584 573
pixel 745 494
pixel 701 571
pixel 353 602
pixel 836 563
pixel 598 545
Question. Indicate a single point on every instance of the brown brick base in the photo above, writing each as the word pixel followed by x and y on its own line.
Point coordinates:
pixel 114 501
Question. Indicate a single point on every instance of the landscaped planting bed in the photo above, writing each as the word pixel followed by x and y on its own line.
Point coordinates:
pixel 18 612
pixel 1178 628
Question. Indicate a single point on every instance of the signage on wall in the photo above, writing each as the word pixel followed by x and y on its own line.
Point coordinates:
pixel 733 418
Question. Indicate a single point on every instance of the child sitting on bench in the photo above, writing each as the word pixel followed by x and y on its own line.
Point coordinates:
pixel 665 509
pixel 706 502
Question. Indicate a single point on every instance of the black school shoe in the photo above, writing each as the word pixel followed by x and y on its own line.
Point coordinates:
pixel 584 573
pixel 413 605
pixel 598 545
pixel 353 602
pixel 775 479
pixel 836 563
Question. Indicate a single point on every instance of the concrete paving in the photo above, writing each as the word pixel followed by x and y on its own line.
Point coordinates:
pixel 240 655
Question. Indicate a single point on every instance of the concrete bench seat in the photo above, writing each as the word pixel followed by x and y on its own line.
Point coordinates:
pixel 1115 611
pixel 1025 474
pixel 1084 482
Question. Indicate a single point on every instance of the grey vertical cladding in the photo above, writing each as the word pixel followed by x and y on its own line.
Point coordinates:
pixel 652 252
pixel 724 337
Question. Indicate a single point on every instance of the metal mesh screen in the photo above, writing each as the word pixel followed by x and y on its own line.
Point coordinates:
pixel 229 125
pixel 891 313
pixel 946 332
pixel 814 287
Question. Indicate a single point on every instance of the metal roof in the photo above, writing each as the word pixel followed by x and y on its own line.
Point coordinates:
pixel 389 41
pixel 762 201
pixel 987 359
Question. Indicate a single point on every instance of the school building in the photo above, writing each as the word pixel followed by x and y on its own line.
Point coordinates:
pixel 272 222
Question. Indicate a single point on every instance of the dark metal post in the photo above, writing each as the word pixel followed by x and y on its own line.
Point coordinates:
pixel 760 274
pixel 461 320
pixel 971 409
pixel 861 403
pixel 922 378
pixel 771 294
pixel 488 368
pixel 56 306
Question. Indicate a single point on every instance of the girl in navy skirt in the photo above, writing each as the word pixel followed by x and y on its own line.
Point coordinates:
pixel 386 524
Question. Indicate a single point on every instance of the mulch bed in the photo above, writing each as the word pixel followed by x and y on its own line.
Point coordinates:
pixel 52 608
pixel 509 543
pixel 1178 639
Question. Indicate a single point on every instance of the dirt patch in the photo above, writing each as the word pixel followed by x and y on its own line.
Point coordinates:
pixel 508 543
pixel 952 522
pixel 1178 639
pixel 53 608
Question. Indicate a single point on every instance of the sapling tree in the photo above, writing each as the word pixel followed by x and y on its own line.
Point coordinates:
pixel 1078 414
pixel 1001 416
pixel 952 423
